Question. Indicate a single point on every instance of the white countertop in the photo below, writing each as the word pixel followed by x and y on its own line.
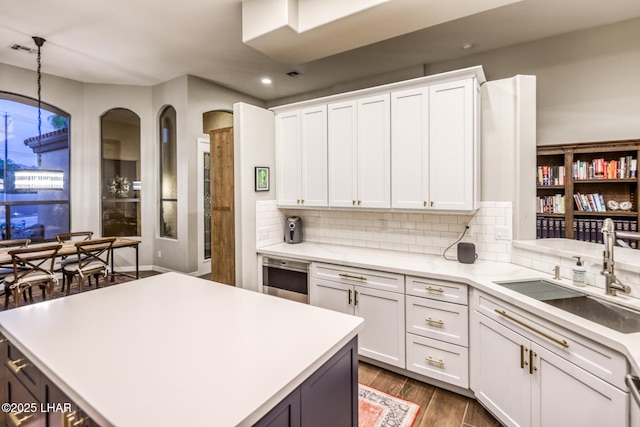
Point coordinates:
pixel 482 275
pixel 174 350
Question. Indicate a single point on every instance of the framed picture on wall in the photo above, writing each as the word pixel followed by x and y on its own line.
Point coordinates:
pixel 262 178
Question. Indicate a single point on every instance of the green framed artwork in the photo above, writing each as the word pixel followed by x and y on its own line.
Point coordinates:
pixel 262 178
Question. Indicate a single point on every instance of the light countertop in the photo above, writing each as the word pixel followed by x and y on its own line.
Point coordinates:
pixel 481 275
pixel 173 350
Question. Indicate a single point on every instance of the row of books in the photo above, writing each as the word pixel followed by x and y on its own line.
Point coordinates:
pixel 624 167
pixel 551 175
pixel 587 230
pixel 550 204
pixel 590 202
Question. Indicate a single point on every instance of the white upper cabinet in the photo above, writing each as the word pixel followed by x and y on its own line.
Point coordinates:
pixel 343 154
pixel 359 153
pixel 453 147
pixel 301 157
pixel 410 149
pixel 410 145
pixel 374 152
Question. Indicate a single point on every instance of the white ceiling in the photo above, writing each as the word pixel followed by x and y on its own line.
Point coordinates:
pixel 146 42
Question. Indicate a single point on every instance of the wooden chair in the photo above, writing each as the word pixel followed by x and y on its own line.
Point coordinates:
pixel 76 236
pixel 92 259
pixel 32 266
pixel 7 270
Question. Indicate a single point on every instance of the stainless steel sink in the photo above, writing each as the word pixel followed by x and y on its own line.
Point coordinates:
pixel 540 289
pixel 607 314
pixel 602 312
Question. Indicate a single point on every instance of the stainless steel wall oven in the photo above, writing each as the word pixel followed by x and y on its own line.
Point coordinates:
pixel 286 279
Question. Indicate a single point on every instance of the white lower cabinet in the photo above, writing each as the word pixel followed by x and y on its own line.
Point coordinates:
pixel 382 337
pixel 438 330
pixel 524 383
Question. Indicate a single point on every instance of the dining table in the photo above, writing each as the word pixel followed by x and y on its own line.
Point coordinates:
pixel 69 248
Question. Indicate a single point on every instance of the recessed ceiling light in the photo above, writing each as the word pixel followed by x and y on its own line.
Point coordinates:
pixel 467 46
pixel 266 81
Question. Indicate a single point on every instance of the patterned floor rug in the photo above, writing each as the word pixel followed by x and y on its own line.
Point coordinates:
pixel 378 409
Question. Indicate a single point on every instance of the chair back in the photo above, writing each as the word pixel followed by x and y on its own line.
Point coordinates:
pixel 33 260
pixel 94 251
pixel 74 236
pixel 14 243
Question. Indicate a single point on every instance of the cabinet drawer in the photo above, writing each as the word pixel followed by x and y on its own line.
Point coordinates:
pixel 439 360
pixel 442 290
pixel 23 370
pixel 391 282
pixel 591 356
pixel 439 320
pixel 26 409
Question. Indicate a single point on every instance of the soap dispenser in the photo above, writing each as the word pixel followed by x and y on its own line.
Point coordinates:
pixel 579 274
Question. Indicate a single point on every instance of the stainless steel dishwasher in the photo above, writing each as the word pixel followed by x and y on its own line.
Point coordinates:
pixel 286 279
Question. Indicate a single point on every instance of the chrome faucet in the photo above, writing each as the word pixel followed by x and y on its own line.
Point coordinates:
pixel 612 284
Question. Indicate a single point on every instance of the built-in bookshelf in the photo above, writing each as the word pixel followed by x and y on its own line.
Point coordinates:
pixel 579 185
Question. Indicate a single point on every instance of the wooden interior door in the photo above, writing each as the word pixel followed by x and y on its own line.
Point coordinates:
pixel 223 262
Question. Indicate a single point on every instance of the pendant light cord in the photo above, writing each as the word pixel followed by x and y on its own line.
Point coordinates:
pixel 39 41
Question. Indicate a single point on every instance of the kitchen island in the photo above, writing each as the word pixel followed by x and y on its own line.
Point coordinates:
pixel 174 350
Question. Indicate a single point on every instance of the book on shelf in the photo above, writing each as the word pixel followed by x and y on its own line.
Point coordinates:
pixel 550 227
pixel 623 168
pixel 550 204
pixel 593 202
pixel 551 175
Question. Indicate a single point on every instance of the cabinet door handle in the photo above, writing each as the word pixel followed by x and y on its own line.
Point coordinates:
pixel 302 201
pixel 349 296
pixel 431 204
pixel 633 384
pixel 348 276
pixel 355 298
pixel 430 320
pixel 16 420
pixel 532 367
pixel 16 366
pixel 359 202
pixel 430 289
pixel 563 343
pixel 424 203
pixel 436 361
pixel 523 362
pixel 353 202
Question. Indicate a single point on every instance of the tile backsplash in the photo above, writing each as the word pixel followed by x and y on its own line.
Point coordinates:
pixel 427 233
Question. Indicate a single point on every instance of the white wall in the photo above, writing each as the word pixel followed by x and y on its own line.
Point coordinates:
pixel 587 81
pixel 254 131
pixel 508 148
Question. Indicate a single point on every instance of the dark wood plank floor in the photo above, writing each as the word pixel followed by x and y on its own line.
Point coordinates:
pixel 438 407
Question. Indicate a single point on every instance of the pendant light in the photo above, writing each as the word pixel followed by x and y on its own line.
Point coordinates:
pixel 39 179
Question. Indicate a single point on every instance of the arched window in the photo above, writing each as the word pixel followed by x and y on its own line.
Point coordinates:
pixel 168 174
pixel 34 169
pixel 121 185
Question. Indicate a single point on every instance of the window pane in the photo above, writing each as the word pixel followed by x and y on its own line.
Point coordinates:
pixel 120 173
pixel 169 223
pixel 34 168
pixel 168 174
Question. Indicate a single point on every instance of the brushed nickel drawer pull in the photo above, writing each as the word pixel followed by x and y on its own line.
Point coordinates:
pixel 348 276
pixel 436 361
pixel 563 343
pixel 15 366
pixel 17 421
pixel 430 320
pixel 431 289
